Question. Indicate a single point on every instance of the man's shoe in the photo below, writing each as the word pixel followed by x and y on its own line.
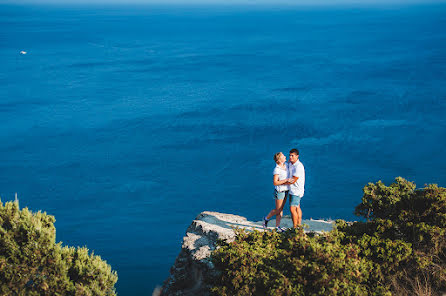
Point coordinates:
pixel 265 223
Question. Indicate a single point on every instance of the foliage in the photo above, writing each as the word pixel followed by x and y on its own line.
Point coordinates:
pixel 31 263
pixel 400 250
pixel 270 263
pixel 414 217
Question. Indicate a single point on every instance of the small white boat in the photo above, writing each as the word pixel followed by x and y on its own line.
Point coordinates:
pixel 23 52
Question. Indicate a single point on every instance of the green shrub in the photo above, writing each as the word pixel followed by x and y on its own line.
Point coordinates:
pixel 31 263
pixel 413 217
pixel 292 263
pixel 400 250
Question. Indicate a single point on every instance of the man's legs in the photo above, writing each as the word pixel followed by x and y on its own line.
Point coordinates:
pixel 296 212
pixel 299 216
pixel 294 215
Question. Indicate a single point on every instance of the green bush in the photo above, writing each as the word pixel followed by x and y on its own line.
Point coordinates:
pixel 31 263
pixel 270 263
pixel 413 217
pixel 400 250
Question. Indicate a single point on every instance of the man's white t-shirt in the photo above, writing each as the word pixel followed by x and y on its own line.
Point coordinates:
pixel 297 170
pixel 283 174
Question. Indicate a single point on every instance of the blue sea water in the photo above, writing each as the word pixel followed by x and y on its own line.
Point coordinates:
pixel 126 122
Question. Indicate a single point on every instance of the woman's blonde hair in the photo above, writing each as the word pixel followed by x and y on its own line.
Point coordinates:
pixel 276 156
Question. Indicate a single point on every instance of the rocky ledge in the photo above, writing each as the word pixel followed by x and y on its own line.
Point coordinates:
pixel 192 269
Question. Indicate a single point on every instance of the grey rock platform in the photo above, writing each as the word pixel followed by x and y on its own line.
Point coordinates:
pixel 193 266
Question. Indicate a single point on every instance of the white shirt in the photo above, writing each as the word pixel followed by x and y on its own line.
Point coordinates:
pixel 283 174
pixel 297 170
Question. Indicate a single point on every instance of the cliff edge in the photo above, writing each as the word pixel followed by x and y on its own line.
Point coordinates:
pixel 193 269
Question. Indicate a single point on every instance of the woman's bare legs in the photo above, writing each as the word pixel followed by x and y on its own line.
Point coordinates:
pixel 278 211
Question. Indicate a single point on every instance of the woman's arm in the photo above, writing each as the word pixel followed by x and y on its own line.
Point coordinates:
pixel 276 181
pixel 292 180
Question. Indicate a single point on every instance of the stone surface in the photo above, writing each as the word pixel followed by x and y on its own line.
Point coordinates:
pixel 192 267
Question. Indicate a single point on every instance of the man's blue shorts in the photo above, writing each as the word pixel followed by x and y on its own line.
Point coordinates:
pixel 280 195
pixel 295 200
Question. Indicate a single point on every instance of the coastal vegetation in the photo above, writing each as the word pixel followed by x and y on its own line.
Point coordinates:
pixel 398 249
pixel 32 263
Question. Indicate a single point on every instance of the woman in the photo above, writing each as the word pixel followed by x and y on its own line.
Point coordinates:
pixel 280 181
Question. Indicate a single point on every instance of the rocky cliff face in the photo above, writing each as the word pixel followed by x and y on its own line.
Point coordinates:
pixel 192 272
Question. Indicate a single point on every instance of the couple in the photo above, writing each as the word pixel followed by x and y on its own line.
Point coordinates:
pixel 289 182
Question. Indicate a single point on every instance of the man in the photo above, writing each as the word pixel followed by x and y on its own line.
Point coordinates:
pixel 296 173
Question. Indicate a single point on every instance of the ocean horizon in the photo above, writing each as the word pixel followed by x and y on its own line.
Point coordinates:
pixel 126 122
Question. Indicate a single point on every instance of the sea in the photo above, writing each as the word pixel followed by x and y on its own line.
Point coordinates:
pixel 125 122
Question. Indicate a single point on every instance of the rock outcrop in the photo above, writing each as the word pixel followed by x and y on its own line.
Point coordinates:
pixel 193 268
